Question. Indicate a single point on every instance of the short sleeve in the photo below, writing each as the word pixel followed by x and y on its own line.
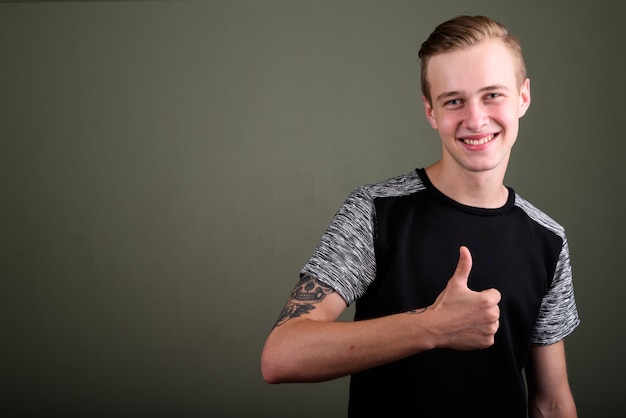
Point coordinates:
pixel 558 315
pixel 344 259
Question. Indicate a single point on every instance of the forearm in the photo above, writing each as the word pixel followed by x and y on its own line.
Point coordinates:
pixel 561 408
pixel 307 344
pixel 308 350
pixel 549 394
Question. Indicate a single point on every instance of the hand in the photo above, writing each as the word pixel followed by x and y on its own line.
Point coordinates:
pixel 465 319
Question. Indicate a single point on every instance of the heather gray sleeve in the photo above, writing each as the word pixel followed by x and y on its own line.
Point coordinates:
pixel 344 258
pixel 558 316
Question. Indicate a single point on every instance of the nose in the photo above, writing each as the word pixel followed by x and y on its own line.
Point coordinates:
pixel 475 116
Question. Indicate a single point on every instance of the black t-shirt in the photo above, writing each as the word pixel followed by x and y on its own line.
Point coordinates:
pixel 393 246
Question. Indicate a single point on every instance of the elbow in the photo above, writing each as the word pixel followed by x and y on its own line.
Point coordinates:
pixel 271 367
pixel 269 375
pixel 282 359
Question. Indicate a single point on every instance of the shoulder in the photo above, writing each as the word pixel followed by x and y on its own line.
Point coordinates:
pixel 393 187
pixel 539 216
pixel 359 207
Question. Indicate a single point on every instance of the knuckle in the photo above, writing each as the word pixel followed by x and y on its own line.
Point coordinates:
pixel 495 315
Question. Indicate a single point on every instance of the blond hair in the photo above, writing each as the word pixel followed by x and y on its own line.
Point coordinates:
pixel 462 32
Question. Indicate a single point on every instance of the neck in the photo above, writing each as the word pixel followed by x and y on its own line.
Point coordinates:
pixel 477 189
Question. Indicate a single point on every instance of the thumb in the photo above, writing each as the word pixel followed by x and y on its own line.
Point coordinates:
pixel 463 267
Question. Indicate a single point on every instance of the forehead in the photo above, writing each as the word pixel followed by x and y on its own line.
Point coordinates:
pixel 469 69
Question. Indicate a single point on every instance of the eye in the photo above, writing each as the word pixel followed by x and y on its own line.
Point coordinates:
pixel 453 103
pixel 493 95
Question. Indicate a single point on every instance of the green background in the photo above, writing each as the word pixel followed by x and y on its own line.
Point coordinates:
pixel 168 167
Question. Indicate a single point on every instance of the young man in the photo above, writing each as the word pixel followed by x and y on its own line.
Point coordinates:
pixel 460 284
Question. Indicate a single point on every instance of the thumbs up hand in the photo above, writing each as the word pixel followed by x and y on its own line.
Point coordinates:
pixel 465 319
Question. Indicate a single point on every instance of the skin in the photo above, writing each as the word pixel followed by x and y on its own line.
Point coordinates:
pixel 477 98
pixel 548 388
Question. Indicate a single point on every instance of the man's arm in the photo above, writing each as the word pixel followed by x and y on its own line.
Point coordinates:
pixel 308 344
pixel 549 394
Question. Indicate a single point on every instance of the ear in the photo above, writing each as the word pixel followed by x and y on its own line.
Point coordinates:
pixel 524 97
pixel 430 113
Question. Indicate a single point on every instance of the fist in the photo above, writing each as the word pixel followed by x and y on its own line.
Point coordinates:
pixel 465 319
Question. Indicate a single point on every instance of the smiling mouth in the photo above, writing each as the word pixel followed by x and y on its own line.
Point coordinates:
pixel 480 141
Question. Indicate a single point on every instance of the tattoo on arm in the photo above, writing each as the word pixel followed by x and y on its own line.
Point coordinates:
pixel 308 292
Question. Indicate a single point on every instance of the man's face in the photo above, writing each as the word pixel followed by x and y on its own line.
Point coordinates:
pixel 476 105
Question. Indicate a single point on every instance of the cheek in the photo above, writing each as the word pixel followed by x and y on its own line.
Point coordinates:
pixel 509 122
pixel 448 125
pixel 507 117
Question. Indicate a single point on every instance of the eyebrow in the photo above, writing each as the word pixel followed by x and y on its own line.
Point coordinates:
pixel 452 93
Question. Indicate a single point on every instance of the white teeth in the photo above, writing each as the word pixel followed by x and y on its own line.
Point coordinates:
pixel 478 141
